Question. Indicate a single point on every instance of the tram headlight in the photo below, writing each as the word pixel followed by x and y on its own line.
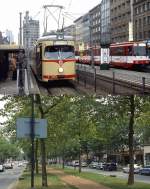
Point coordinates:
pixel 61 70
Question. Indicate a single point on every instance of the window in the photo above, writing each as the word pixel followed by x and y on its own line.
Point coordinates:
pixel 140 50
pixel 59 52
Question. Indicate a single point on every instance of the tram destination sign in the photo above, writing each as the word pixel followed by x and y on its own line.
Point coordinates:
pixel 24 128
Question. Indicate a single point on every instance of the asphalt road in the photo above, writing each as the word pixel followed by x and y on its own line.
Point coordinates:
pixel 9 176
pixel 120 174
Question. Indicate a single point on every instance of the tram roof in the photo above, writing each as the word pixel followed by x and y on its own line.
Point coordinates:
pixel 12 48
pixel 56 38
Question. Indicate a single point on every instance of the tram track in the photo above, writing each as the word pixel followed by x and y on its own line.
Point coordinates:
pixel 114 84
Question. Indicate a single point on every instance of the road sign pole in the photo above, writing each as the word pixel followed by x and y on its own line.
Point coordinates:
pixel 32 142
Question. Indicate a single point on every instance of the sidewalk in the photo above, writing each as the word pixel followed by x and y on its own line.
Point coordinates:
pixel 78 182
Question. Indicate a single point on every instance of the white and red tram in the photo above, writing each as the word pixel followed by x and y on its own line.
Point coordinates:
pixel 128 55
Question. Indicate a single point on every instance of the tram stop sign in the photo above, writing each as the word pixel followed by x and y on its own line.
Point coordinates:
pixel 24 128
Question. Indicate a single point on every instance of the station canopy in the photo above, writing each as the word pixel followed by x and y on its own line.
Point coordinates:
pixel 10 48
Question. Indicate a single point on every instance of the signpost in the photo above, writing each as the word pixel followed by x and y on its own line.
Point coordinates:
pixel 31 128
pixel 24 130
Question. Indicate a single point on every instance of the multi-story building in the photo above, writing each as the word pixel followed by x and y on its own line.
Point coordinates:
pixel 30 31
pixel 82 32
pixel 86 30
pixel 70 30
pixel 95 30
pixel 78 33
pixel 10 36
pixel 141 19
pixel 105 22
pixel 121 20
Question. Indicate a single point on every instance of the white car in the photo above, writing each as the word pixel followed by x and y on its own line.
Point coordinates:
pixel 137 168
pixel 8 165
pixel 1 168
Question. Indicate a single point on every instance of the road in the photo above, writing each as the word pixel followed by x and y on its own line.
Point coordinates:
pixel 9 176
pixel 119 174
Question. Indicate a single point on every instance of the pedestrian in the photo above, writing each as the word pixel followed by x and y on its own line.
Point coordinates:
pixel 14 67
pixel 1 67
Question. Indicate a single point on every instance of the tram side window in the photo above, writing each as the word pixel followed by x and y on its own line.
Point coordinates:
pixel 140 51
pixel 117 51
pixel 129 51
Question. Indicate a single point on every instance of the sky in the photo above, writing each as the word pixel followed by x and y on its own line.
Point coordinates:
pixel 9 11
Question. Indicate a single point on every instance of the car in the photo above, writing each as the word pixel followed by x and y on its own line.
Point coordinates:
pixel 8 165
pixel 93 164
pixel 110 167
pixel 100 166
pixel 83 164
pixel 75 163
pixel 145 170
pixel 2 168
pixel 137 168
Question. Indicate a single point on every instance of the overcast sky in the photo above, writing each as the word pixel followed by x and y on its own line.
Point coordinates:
pixel 9 10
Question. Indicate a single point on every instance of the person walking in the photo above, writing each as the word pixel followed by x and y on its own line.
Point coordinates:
pixel 14 67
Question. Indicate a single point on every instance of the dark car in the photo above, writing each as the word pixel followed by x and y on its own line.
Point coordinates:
pixel 145 170
pixel 110 167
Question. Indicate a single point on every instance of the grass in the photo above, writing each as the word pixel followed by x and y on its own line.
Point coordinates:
pixel 53 182
pixel 112 182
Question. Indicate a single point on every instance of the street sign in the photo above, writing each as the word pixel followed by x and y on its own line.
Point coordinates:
pixel 24 128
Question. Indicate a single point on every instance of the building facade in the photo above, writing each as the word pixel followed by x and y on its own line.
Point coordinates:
pixel 10 36
pixel 141 19
pixel 70 30
pixel 82 32
pixel 95 25
pixel 30 31
pixel 105 22
pixel 121 20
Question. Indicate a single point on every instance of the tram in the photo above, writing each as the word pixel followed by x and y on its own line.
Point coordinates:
pixel 55 58
pixel 129 55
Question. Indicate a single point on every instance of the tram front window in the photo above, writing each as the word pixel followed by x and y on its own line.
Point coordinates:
pixel 67 52
pixel 59 52
pixel 140 51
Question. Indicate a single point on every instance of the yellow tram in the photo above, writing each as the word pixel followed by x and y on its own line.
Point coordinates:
pixel 55 58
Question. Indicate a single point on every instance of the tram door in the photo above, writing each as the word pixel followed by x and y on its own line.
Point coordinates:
pixel 39 61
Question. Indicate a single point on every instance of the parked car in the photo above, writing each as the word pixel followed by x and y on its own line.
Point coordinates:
pixel 110 167
pixel 1 168
pixel 93 164
pixel 75 163
pixel 8 165
pixel 137 168
pixel 145 170
pixel 83 164
pixel 100 166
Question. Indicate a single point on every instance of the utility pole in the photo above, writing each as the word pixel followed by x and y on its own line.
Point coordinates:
pixel 20 40
pixel 32 141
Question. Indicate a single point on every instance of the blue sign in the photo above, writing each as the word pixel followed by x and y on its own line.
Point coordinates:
pixel 24 128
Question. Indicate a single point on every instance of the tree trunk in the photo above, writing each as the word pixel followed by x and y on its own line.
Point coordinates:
pixel 131 135
pixel 80 159
pixel 36 156
pixel 43 156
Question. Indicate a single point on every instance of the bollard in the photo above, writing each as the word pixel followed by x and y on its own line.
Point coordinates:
pixel 85 77
pixel 114 90
pixel 143 85
pixel 95 80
